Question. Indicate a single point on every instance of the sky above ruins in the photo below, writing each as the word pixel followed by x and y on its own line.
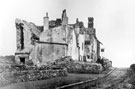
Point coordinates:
pixel 114 21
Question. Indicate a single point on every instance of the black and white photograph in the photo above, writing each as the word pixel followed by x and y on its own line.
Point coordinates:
pixel 67 44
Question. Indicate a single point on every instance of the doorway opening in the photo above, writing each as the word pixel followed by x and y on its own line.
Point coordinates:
pixel 22 60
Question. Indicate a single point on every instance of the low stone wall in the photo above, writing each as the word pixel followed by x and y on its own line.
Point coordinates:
pixel 83 67
pixel 32 75
pixel 38 75
pixel 78 67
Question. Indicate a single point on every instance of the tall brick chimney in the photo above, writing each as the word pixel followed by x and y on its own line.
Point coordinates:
pixel 46 22
pixel 90 22
pixel 64 18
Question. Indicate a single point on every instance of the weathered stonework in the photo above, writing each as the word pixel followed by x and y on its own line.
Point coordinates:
pixel 44 53
pixel 15 76
pixel 74 66
pixel 55 39
pixel 27 34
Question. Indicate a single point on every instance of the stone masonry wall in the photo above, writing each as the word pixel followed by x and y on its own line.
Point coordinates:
pixel 53 44
pixel 45 53
pixel 26 33
pixel 10 75
pixel 74 66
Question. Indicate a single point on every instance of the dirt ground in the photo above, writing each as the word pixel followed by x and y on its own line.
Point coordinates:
pixel 118 80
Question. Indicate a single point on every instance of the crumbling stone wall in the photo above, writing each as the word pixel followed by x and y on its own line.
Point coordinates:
pixel 31 75
pixel 44 53
pixel 56 38
pixel 26 35
pixel 20 36
pixel 51 46
pixel 55 43
pixel 54 35
pixel 74 66
pixel 34 75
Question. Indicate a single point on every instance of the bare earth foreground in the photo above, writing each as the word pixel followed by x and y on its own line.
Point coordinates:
pixel 118 79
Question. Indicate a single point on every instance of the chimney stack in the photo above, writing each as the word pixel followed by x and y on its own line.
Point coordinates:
pixel 46 22
pixel 90 22
pixel 64 18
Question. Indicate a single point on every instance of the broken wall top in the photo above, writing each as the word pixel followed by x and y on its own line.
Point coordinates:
pixel 29 26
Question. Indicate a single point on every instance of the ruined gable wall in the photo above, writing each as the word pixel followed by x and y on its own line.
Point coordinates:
pixel 26 34
pixel 25 31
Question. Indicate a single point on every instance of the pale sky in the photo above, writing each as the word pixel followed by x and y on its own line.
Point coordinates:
pixel 114 21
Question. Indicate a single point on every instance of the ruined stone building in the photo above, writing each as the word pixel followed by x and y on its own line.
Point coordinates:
pixel 56 39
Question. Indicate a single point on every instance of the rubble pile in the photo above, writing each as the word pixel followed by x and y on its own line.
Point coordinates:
pixel 78 67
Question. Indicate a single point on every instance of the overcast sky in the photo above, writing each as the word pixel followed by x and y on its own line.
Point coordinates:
pixel 114 21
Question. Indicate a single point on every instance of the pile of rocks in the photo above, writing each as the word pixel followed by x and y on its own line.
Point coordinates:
pixel 78 67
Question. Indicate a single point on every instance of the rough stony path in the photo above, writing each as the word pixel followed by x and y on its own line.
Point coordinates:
pixel 112 81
